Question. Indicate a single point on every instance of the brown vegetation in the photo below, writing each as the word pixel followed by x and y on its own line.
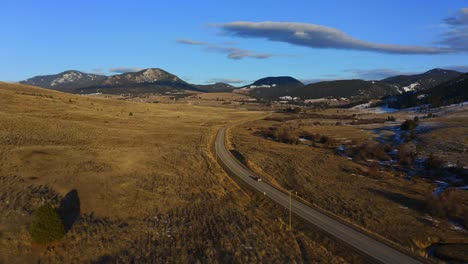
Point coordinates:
pixel 149 189
pixel 447 205
pixel 367 151
pixel 359 192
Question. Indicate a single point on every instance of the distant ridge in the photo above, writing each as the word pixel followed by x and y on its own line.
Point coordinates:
pixel 147 80
pixel 423 81
pixel 215 87
pixel 451 92
pixel 65 81
pixel 355 90
pixel 155 80
pixel 271 87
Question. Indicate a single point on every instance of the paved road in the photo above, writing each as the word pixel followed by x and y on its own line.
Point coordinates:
pixel 358 240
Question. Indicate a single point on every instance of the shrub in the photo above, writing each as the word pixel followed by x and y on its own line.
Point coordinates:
pixel 409 125
pixel 368 151
pixel 433 162
pixel 446 205
pixel 295 110
pixel 130 114
pixel 406 157
pixel 307 135
pixel 285 135
pixel 374 170
pixel 281 134
pixel 46 226
pixel 391 118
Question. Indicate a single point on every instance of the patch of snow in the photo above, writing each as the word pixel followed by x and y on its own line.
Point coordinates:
pixel 289 98
pixel 67 78
pixel 149 76
pixel 375 110
pixel 456 226
pixel 410 87
pixel 427 217
pixel 361 106
pixel 441 188
pixel 315 100
pixel 262 86
pixel 91 94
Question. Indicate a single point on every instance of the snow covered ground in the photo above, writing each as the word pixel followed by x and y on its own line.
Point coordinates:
pixel 377 110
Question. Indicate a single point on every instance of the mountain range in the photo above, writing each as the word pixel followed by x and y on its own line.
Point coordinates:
pixel 155 80
pixel 148 80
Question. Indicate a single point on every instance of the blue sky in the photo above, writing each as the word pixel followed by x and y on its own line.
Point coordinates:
pixel 236 41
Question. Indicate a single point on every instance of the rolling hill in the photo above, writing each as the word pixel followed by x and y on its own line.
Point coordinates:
pixel 271 87
pixel 66 81
pixel 355 90
pixel 451 92
pixel 422 81
pixel 215 87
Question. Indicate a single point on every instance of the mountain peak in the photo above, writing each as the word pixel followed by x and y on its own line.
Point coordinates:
pixel 150 75
pixel 438 71
pixel 66 80
pixel 277 81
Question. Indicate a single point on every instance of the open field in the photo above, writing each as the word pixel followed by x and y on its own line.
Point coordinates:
pixel 146 185
pixel 382 201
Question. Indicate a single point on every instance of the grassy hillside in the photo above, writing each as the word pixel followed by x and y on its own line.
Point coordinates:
pixel 147 187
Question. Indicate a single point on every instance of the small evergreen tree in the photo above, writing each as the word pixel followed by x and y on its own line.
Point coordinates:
pixel 409 125
pixel 46 226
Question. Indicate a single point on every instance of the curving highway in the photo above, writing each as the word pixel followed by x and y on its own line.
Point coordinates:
pixel 371 247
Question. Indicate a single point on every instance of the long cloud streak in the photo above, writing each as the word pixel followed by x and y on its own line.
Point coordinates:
pixel 317 36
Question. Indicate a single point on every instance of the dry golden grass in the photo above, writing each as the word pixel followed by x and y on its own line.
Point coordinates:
pixel 388 205
pixel 446 138
pixel 149 189
pixel 220 96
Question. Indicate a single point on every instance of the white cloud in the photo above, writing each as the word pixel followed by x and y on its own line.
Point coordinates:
pixel 190 42
pixel 226 80
pixel 318 36
pixel 377 74
pixel 125 69
pixel 456 34
pixel 232 52
pixel 461 18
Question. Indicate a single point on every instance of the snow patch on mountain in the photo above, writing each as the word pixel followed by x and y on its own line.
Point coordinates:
pixel 411 87
pixel 67 78
pixel 262 86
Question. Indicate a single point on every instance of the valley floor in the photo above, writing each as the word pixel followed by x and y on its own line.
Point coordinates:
pixel 377 195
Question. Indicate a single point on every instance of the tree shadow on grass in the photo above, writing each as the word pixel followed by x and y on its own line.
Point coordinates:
pixel 69 209
pixel 409 202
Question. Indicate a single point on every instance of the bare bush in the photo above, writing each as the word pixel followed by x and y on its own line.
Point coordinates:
pixel 405 157
pixel 446 206
pixel 281 134
pixel 368 151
